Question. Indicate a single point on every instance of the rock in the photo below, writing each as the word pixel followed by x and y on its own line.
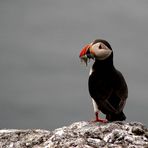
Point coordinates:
pixel 79 135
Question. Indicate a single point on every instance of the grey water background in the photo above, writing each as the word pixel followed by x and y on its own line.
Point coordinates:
pixel 42 82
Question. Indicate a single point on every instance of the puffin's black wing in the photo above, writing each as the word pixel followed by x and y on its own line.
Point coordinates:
pixel 120 91
pixel 109 92
pixel 117 99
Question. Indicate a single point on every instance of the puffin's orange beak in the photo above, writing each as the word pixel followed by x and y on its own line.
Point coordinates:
pixel 86 54
pixel 84 51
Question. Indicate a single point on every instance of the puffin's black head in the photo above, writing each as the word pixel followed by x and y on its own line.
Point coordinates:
pixel 99 49
pixel 102 41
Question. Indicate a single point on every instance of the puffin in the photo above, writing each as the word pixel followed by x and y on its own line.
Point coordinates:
pixel 107 86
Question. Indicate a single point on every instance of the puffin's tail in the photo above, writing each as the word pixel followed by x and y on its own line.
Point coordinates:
pixel 116 117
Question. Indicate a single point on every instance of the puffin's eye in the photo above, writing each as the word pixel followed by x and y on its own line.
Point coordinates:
pixel 100 46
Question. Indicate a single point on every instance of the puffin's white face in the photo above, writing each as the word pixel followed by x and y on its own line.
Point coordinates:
pixel 95 50
pixel 100 51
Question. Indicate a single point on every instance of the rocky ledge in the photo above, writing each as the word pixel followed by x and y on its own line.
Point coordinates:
pixel 79 135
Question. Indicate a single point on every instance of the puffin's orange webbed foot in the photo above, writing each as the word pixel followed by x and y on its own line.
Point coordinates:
pixel 100 120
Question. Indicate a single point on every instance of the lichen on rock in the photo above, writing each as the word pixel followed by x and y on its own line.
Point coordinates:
pixel 79 135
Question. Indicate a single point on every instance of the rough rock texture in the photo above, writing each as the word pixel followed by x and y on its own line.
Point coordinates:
pixel 79 135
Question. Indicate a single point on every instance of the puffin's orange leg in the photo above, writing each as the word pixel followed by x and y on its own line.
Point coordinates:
pixel 99 119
